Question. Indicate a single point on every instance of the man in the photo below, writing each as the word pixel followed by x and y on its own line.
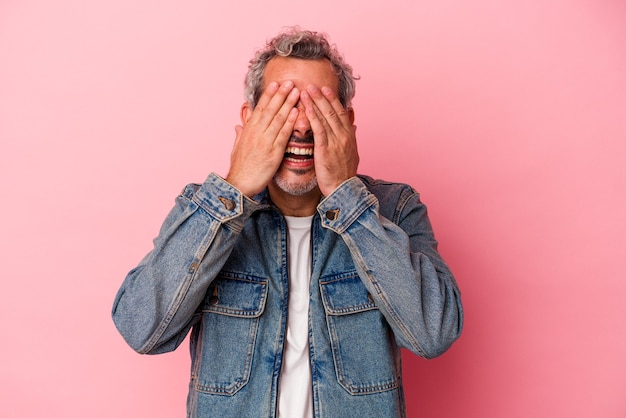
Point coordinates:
pixel 300 279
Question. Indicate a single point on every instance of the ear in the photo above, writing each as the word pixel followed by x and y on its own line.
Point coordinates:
pixel 246 113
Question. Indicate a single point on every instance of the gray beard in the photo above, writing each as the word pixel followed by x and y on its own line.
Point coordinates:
pixel 295 188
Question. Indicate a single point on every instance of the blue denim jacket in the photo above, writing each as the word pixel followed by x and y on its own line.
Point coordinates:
pixel 219 265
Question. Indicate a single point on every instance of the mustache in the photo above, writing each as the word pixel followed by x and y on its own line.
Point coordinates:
pixel 308 139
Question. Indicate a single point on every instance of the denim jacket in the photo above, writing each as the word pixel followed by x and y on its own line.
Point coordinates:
pixel 219 266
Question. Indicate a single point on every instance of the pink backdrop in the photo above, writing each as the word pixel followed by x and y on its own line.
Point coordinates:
pixel 509 118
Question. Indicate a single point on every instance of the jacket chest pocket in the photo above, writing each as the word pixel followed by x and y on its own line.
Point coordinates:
pixel 362 348
pixel 225 345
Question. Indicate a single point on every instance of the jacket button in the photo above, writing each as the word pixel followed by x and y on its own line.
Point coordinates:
pixel 229 204
pixel 215 297
pixel 331 215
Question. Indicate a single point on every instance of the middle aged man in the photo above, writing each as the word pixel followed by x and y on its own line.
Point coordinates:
pixel 300 278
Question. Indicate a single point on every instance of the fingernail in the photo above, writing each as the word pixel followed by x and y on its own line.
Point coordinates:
pixel 326 90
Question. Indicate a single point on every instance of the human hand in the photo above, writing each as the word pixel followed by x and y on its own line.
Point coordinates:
pixel 260 143
pixel 336 155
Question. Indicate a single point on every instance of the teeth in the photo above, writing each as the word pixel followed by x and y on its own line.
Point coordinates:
pixel 299 151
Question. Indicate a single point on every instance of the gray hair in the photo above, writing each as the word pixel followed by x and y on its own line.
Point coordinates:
pixel 297 43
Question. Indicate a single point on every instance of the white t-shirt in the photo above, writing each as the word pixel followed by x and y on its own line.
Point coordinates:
pixel 295 393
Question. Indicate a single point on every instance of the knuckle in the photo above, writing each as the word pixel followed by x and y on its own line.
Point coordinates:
pixel 280 118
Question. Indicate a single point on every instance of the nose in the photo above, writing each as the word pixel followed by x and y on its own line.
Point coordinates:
pixel 302 127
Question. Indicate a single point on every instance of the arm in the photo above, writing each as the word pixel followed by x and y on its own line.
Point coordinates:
pixel 399 265
pixel 397 262
pixel 155 306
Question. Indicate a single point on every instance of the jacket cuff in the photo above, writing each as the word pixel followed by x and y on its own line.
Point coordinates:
pixel 342 207
pixel 223 201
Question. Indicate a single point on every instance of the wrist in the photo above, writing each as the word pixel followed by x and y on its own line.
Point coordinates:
pixel 241 187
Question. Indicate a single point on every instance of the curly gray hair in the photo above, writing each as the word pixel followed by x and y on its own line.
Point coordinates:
pixel 297 43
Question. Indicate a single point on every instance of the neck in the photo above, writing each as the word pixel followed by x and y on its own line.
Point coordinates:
pixel 291 205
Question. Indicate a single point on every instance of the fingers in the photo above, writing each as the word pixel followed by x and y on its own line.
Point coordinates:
pixel 319 125
pixel 327 109
pixel 260 143
pixel 285 130
pixel 336 155
pixel 267 95
pixel 274 107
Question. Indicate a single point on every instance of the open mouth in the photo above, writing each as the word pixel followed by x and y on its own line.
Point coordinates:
pixel 298 154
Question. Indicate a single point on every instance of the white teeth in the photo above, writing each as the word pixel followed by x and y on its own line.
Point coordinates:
pixel 299 151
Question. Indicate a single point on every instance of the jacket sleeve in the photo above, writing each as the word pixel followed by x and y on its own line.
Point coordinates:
pixel 399 265
pixel 157 302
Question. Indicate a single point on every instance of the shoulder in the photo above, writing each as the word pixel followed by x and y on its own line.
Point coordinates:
pixel 384 188
pixel 393 197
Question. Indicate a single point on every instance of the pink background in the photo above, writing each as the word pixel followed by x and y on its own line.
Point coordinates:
pixel 508 116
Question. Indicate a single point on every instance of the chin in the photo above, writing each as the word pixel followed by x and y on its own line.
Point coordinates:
pixel 295 186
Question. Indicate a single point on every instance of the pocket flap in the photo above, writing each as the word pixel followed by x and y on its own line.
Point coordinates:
pixel 236 295
pixel 345 294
